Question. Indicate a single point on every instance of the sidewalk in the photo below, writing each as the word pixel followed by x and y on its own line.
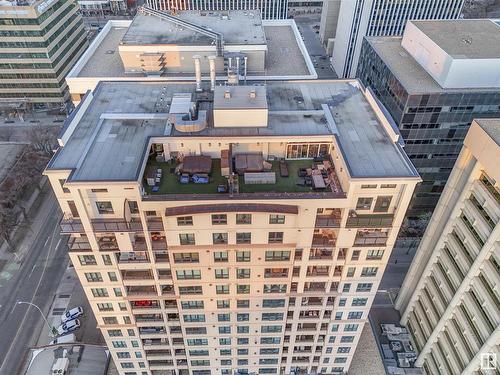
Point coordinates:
pixel 25 236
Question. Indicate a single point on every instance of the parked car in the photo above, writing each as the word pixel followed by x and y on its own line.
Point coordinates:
pixel 71 314
pixel 68 327
pixel 65 339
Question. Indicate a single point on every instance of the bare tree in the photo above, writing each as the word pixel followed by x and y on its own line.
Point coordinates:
pixel 478 8
pixel 43 138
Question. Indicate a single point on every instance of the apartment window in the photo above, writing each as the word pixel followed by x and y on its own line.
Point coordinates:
pixel 200 362
pixel 87 260
pixel 270 340
pixel 186 257
pixel 219 238
pixel 107 260
pixel 194 318
pixel 196 331
pixel 222 273
pixel 243 329
pixel 276 219
pixel 355 254
pixel 115 333
pixel 368 186
pixel 331 339
pixel 272 256
pixel 346 287
pixel 269 351
pixel 133 207
pixel 355 315
pixel 105 306
pixel 374 254
pixel 382 204
pixel 343 349
pixel 243 289
pixel 369 271
pixel 340 360
pixel 197 342
pixel 275 237
pixel 138 355
pixel 118 292
pixel 364 203
pixel 271 329
pixel 242 340
pixel 243 317
pixel 100 292
pixel 350 271
pixel 222 289
pixel 104 207
pixel 220 256
pixel 225 352
pixel 347 339
pixel 219 219
pixel 131 333
pixel 243 273
pixel 122 306
pixel 342 301
pixel 351 327
pixel 188 274
pixel 388 186
pixel 110 320
pixel 135 344
pixel 225 362
pixel 275 288
pixel 242 303
pixel 127 365
pixel 243 238
pixel 329 350
pixel 243 256
pixel 364 287
pixel 223 304
pixel 359 301
pixel 119 344
pixel 243 219
pixel 190 290
pixel 184 221
pixel 186 238
pixel 267 317
pixel 198 353
pixel 335 327
pixel 224 330
pixel 224 341
pixel 192 305
pixel 266 370
pixel 242 351
pixel 112 276
pixel 273 303
pixel 338 315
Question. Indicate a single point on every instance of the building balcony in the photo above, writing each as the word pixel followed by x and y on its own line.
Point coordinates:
pixel 154 223
pixel 116 225
pixel 78 244
pixel 293 179
pixel 108 243
pixel 149 318
pixel 314 287
pixel 314 271
pixel 71 226
pixel 152 330
pixel 328 221
pixel 369 221
pixel 144 305
pixel 155 342
pixel 137 275
pixel 321 254
pixel 132 257
pixel 137 290
pixel 323 240
pixel 161 257
pixel 370 239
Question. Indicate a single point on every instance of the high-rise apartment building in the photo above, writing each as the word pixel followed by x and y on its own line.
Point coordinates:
pixel 269 9
pixel 449 300
pixel 39 43
pixel 434 81
pixel 244 229
pixel 362 18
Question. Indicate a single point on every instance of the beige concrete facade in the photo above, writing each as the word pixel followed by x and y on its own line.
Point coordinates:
pixel 39 44
pixel 449 299
pixel 264 279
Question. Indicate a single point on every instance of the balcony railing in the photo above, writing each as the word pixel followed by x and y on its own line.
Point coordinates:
pixel 116 225
pixel 79 244
pixel 370 241
pixel 319 240
pixel 276 275
pixel 370 221
pixel 161 257
pixel 317 254
pixel 137 275
pixel 324 221
pixel 317 273
pixel 71 226
pixel 139 291
pixel 131 257
pixel 155 224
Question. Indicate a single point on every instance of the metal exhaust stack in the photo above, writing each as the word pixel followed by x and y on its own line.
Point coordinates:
pixel 211 60
pixel 197 71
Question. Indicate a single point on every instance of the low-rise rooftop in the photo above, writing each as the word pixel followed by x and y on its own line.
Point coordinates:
pixel 236 26
pixel 111 138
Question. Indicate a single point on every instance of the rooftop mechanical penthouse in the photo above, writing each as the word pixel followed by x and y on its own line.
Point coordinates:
pixel 241 229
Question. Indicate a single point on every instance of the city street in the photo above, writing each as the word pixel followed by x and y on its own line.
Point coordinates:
pixel 35 281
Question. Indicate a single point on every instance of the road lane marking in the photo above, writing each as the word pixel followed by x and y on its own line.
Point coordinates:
pixel 32 269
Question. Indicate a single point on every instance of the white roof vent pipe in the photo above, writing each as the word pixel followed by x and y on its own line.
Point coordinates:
pixel 253 94
pixel 227 94
pixel 211 61
pixel 197 71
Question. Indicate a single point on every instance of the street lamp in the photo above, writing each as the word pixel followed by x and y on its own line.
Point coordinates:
pixel 51 329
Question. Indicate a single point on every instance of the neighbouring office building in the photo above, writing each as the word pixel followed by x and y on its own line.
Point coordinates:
pixel 39 43
pixel 360 18
pixel 244 229
pixel 434 81
pixel 102 7
pixel 269 9
pixel 450 300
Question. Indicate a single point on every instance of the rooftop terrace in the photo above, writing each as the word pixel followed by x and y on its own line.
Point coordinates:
pixel 113 135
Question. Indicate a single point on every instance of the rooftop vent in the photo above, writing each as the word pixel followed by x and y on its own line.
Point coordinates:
pixel 253 94
pixel 227 94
